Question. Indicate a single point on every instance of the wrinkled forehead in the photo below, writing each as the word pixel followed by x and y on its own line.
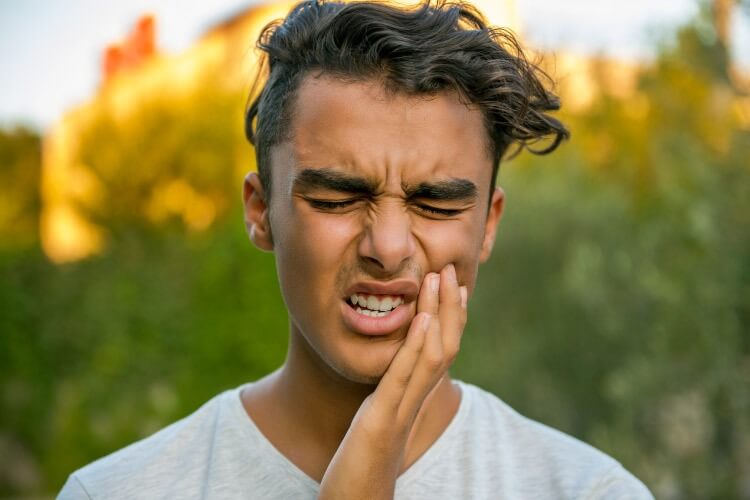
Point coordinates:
pixel 360 127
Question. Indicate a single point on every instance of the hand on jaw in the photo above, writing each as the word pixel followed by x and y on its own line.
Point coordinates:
pixel 369 458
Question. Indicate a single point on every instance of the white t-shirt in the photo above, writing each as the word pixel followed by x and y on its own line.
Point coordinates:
pixel 487 451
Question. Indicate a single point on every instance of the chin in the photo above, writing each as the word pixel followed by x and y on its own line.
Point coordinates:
pixel 365 365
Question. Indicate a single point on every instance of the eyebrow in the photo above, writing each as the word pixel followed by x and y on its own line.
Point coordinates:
pixel 334 180
pixel 328 178
pixel 447 190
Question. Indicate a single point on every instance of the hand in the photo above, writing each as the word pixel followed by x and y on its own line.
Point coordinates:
pixel 369 458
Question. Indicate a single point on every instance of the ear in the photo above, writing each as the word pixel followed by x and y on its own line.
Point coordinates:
pixel 493 218
pixel 256 213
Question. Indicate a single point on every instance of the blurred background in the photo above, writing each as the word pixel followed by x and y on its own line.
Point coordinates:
pixel 616 306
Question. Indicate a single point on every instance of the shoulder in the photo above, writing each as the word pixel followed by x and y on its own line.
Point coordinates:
pixel 154 463
pixel 544 460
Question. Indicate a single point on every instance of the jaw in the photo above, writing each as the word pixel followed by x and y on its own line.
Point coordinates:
pixel 340 364
pixel 330 351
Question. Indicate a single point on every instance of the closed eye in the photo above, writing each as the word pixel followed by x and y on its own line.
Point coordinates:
pixel 329 204
pixel 439 211
pixel 337 204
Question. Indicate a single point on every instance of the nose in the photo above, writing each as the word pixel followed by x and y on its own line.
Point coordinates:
pixel 387 242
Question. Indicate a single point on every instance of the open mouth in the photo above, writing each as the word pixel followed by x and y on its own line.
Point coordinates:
pixel 374 306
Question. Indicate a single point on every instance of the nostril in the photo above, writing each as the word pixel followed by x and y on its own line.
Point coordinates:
pixel 373 260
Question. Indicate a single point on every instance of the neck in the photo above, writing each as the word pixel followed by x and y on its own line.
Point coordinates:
pixel 305 409
pixel 325 401
pixel 322 398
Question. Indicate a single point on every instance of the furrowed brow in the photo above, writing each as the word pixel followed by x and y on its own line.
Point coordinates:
pixel 332 180
pixel 449 190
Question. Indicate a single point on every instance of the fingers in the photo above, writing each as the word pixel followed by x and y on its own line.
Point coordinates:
pixel 443 338
pixel 452 313
pixel 431 345
pixel 427 372
pixel 392 387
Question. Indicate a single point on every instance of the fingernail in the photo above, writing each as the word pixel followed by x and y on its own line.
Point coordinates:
pixel 464 296
pixel 435 282
pixel 426 321
pixel 452 273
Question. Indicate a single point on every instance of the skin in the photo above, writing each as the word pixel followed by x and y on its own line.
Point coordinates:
pixel 354 411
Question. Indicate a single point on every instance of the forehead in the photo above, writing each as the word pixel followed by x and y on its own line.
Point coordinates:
pixel 360 127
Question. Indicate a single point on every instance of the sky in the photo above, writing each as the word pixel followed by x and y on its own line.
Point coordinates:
pixel 50 51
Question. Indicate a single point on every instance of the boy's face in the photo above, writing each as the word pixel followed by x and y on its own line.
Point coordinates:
pixel 371 189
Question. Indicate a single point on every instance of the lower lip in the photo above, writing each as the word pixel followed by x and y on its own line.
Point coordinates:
pixel 378 325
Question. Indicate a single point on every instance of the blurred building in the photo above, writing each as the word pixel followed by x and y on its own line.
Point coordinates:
pixel 134 70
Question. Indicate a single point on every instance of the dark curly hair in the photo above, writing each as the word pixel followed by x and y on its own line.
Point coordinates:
pixel 440 45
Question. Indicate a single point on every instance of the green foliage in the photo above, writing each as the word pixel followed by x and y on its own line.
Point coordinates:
pixel 102 352
pixel 20 151
pixel 616 306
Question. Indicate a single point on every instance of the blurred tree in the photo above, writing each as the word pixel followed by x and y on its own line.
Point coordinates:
pixel 620 305
pixel 171 160
pixel 20 153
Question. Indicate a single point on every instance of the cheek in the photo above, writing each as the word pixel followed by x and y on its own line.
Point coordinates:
pixel 325 240
pixel 457 242
pixel 310 249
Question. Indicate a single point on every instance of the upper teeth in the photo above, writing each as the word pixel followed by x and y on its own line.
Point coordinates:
pixel 376 303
